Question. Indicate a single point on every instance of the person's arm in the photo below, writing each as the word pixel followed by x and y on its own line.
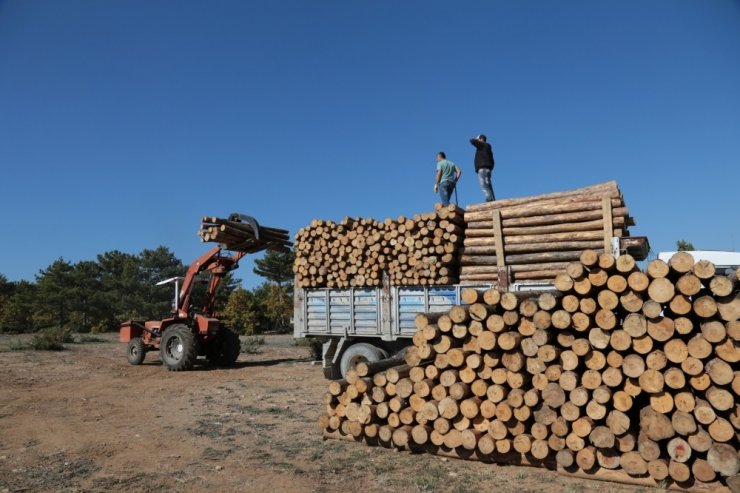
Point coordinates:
pixel 458 173
pixel 477 143
pixel 436 180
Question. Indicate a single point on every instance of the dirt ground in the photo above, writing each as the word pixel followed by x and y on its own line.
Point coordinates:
pixel 83 419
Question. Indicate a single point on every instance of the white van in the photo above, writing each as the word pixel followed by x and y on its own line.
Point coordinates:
pixel 724 262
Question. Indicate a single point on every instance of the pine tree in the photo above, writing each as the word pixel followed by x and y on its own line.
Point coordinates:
pixel 53 303
pixel 276 267
pixel 684 246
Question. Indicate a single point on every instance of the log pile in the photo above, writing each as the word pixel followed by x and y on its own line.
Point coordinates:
pixel 535 237
pixel 235 234
pixel 421 250
pixel 619 374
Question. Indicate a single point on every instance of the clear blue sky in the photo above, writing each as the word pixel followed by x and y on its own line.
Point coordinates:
pixel 123 122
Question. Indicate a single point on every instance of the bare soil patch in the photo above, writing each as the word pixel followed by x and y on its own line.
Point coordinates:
pixel 85 420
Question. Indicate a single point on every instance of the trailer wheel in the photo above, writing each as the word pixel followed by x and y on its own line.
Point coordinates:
pixel 225 349
pixel 136 351
pixel 178 348
pixel 358 353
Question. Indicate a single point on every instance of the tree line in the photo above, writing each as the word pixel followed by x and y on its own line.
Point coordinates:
pixel 96 296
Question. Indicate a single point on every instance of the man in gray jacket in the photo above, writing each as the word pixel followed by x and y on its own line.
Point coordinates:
pixel 484 165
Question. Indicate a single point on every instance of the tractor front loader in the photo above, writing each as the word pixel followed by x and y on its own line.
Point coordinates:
pixel 187 333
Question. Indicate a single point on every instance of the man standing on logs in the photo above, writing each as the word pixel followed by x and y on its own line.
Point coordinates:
pixel 484 165
pixel 447 175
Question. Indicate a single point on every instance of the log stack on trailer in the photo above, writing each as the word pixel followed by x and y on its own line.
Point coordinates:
pixel 420 250
pixel 533 238
pixel 619 374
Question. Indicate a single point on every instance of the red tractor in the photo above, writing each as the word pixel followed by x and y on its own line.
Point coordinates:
pixel 187 334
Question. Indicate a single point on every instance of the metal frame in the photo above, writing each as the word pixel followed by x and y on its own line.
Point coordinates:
pixel 388 313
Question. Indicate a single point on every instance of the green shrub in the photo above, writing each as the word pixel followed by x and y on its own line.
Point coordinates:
pixel 18 345
pixel 99 328
pixel 251 344
pixel 86 339
pixel 51 339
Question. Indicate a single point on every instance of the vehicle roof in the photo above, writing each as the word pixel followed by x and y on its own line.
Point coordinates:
pixel 717 257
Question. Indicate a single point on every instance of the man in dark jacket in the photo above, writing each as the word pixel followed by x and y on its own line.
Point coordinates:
pixel 484 165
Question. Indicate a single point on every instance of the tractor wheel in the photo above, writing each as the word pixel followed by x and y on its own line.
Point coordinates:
pixel 178 348
pixel 225 349
pixel 358 353
pixel 136 351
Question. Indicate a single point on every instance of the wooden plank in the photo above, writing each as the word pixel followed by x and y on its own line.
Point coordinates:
pixel 606 205
pixel 609 187
pixel 498 239
pixel 503 272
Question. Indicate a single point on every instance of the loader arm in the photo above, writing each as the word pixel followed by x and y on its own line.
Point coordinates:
pixel 218 265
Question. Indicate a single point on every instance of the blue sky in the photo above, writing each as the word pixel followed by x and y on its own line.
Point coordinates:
pixel 123 122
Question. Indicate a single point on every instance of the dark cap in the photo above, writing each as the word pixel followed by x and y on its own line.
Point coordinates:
pixel 482 137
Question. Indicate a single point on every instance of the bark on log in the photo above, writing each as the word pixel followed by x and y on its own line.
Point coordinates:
pixel 607 188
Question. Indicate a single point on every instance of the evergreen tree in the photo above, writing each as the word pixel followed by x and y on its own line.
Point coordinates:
pixel 6 291
pixel 87 301
pixel 99 295
pixel 276 296
pixel 119 277
pixel 16 311
pixel 155 266
pixel 54 294
pixel 684 246
pixel 229 284
pixel 276 267
pixel 6 287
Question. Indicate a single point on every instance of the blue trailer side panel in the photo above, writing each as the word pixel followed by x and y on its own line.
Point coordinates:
pixel 413 300
pixel 387 313
pixel 340 312
pixel 367 312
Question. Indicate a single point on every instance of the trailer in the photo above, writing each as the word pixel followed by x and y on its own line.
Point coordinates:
pixel 371 324
pixel 374 323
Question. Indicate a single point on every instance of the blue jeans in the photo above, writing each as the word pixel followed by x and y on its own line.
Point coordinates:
pixel 445 191
pixel 484 179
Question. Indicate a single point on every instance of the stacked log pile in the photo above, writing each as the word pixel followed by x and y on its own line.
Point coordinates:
pixel 535 237
pixel 421 250
pixel 619 374
pixel 234 234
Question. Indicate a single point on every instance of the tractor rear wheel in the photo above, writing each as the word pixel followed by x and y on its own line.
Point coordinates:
pixel 178 348
pixel 225 348
pixel 136 351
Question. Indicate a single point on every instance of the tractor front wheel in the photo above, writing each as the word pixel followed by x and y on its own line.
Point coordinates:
pixel 178 348
pixel 136 351
pixel 225 348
